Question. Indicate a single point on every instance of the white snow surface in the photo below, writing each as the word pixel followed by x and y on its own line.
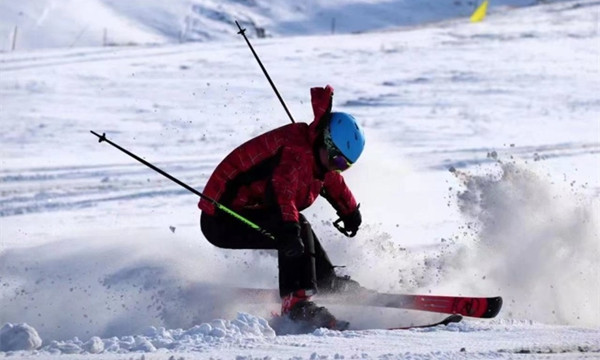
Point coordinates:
pixel 26 25
pixel 102 258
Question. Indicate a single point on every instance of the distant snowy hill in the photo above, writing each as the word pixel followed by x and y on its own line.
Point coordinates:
pixel 71 23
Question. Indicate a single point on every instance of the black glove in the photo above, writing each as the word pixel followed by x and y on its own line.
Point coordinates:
pixel 351 223
pixel 290 242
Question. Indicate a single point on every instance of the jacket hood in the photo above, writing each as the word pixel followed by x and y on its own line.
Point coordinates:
pixel 322 100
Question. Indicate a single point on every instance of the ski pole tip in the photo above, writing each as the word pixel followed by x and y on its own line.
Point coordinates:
pixel 101 138
pixel 242 31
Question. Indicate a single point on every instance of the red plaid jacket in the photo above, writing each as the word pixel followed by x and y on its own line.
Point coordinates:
pixel 280 169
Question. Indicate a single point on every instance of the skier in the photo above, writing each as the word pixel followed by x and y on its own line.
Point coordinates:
pixel 269 180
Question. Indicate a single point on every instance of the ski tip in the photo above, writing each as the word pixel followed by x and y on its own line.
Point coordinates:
pixel 493 307
pixel 454 318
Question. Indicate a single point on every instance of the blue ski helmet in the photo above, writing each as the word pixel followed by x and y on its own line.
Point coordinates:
pixel 347 136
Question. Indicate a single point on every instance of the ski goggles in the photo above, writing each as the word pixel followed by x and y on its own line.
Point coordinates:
pixel 336 158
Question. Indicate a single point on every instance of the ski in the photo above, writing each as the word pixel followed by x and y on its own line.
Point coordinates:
pixel 478 307
pixel 284 326
pixel 454 318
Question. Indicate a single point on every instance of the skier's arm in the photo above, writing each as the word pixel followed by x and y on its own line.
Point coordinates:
pixel 338 194
pixel 342 200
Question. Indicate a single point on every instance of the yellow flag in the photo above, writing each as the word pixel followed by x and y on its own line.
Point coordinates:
pixel 479 13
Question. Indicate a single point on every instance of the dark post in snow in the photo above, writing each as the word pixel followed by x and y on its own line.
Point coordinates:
pixel 14 42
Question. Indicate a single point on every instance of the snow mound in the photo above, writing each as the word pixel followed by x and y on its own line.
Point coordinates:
pixel 244 328
pixel 19 337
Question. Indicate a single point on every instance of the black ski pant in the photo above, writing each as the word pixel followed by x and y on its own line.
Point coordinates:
pixel 303 272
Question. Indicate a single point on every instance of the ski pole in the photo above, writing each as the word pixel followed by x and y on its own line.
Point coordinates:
pixel 243 33
pixel 102 138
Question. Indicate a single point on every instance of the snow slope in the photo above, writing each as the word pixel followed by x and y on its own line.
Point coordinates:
pixel 100 254
pixel 70 23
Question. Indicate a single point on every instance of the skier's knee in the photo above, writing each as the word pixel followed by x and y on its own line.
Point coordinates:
pixel 304 224
pixel 211 230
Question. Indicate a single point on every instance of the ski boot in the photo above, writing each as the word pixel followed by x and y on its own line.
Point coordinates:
pixel 308 315
pixel 342 285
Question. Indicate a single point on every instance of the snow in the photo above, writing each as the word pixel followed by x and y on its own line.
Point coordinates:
pixel 70 23
pixel 218 333
pixel 248 335
pixel 19 337
pixel 101 258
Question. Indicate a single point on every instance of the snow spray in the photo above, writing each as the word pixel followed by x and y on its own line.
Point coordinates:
pixel 122 282
pixel 530 240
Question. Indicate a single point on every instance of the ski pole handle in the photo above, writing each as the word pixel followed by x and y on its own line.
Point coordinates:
pixel 342 229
